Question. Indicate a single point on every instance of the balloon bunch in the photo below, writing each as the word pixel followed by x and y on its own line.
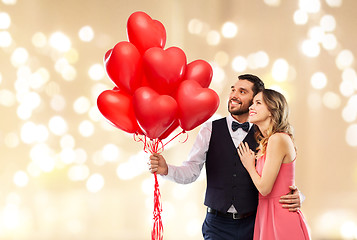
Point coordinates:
pixel 155 91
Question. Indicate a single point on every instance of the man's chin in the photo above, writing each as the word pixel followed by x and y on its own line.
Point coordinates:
pixel 237 112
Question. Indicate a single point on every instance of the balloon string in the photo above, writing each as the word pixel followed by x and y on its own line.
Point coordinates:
pixel 156 146
pixel 157 231
pixel 152 146
pixel 183 132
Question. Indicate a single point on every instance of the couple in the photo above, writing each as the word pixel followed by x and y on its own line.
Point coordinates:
pixel 229 147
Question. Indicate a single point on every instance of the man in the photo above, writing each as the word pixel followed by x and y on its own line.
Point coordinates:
pixel 231 197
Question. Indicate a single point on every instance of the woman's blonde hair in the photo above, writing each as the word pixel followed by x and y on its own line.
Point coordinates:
pixel 279 110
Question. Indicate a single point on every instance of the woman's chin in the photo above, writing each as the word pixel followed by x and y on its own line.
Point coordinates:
pixel 251 120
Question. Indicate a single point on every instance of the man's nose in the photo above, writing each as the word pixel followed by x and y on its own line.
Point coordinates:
pixel 235 95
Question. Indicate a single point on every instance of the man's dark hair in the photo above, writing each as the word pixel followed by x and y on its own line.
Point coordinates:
pixel 258 83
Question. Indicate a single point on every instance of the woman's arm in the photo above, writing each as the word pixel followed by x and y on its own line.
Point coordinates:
pixel 275 153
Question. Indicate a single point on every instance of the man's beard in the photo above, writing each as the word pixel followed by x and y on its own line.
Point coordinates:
pixel 239 111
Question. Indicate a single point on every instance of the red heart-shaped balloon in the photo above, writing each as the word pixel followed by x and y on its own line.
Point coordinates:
pixel 170 130
pixel 164 69
pixel 144 32
pixel 124 66
pixel 155 113
pixel 200 71
pixel 117 107
pixel 195 104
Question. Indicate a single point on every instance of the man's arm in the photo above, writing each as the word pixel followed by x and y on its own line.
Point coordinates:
pixel 292 200
pixel 190 169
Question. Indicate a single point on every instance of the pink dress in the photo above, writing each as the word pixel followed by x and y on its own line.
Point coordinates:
pixel 272 221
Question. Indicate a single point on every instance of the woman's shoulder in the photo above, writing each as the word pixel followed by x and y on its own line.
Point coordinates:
pixel 281 143
pixel 280 138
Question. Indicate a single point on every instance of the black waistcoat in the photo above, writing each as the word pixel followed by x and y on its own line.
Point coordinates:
pixel 228 182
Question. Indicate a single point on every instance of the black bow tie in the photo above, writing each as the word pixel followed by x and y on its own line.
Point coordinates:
pixel 236 125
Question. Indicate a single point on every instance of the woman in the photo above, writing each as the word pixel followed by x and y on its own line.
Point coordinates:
pixel 274 170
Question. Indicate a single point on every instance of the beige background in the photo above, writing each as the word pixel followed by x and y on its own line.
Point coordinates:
pixel 93 183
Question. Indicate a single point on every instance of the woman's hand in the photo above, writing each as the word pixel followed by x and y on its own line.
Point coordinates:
pixel 247 156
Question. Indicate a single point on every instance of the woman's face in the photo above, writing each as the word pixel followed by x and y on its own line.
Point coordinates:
pixel 258 111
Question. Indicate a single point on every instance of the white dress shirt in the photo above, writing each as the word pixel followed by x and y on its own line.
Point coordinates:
pixel 190 170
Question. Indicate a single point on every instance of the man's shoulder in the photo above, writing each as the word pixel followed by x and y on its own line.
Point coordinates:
pixel 219 119
pixel 220 122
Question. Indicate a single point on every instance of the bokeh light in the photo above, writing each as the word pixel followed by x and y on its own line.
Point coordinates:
pixel 133 167
pixel 213 38
pixel 344 59
pixel 67 155
pixel 9 2
pixel 81 105
pixel 310 48
pixel 58 125
pixel 221 58
pixel 334 3
pixel 239 64
pixel 78 172
pixel 86 128
pixel 60 42
pixel 300 17
pixel 19 56
pixel 329 42
pixel 95 183
pixel 43 157
pixel 21 179
pixel 229 30
pixel 318 80
pixel 7 98
pixel 72 56
pixel 195 26
pixel 316 34
pixel 110 152
pixel 96 72
pixel 5 20
pixel 310 6
pixel 273 3
pixel 58 102
pixel 39 40
pixel 351 135
pixel 5 39
pixel 349 113
pixel 86 34
pixel 331 100
pixel 280 70
pixel 328 23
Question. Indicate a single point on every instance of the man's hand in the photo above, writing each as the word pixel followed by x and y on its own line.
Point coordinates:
pixel 292 200
pixel 158 164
